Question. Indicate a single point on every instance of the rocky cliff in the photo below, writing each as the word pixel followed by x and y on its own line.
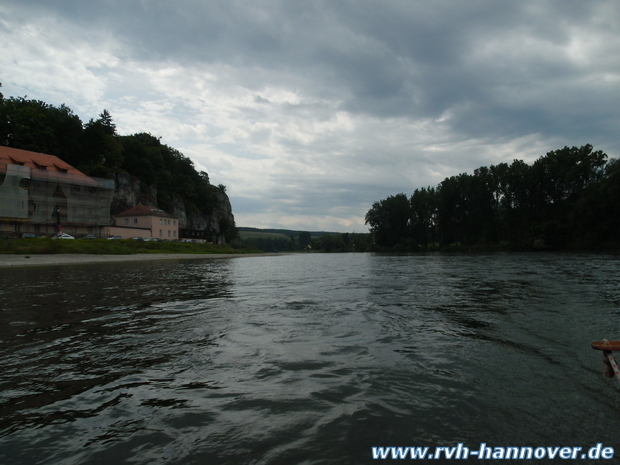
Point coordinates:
pixel 215 225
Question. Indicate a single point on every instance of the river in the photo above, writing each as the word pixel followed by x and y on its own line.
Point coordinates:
pixel 305 359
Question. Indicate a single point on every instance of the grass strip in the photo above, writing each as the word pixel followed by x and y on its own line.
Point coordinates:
pixel 46 245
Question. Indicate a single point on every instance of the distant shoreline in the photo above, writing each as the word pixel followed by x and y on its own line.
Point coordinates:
pixel 20 260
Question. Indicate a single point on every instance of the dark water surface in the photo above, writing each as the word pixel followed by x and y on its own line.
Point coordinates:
pixel 305 358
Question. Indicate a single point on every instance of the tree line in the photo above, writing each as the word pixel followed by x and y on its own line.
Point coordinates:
pixel 96 149
pixel 305 242
pixel 568 198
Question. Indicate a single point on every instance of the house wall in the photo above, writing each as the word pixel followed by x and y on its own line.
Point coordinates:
pixel 134 221
pixel 158 227
pixel 128 233
pixel 29 202
pixel 13 194
pixel 165 228
pixel 14 228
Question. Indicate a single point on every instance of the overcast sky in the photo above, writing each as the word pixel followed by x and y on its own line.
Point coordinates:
pixel 310 111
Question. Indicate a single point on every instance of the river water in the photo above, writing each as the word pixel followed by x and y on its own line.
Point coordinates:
pixel 305 359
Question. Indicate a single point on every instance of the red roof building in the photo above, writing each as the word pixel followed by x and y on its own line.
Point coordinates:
pixel 42 194
pixel 36 161
pixel 146 221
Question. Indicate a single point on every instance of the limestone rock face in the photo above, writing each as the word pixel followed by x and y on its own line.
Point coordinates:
pixel 215 223
pixel 128 193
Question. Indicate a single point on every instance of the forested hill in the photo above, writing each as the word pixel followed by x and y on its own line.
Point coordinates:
pixel 95 148
pixel 568 198
pixel 283 232
pixel 274 240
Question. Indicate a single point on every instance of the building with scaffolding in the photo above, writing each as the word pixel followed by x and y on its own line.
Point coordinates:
pixel 42 194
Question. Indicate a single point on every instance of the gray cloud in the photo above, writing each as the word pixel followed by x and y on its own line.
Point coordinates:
pixel 307 108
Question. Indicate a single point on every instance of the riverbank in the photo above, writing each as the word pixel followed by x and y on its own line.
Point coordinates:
pixel 48 246
pixel 7 260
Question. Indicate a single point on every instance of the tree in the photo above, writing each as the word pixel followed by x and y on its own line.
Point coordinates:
pixel 101 146
pixel 568 196
pixel 389 220
pixel 39 127
pixel 423 216
pixel 304 240
pixel 228 229
pixel 106 122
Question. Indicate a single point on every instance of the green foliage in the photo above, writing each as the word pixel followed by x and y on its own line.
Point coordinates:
pixel 37 126
pixel 390 220
pixel 567 198
pixel 286 241
pixel 96 149
pixel 245 234
pixel 305 240
pixel 268 244
pixel 100 147
pixel 228 229
pixel 158 165
pixel 243 247
pixel 346 242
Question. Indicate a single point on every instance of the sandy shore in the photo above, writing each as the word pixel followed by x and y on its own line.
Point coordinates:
pixel 76 259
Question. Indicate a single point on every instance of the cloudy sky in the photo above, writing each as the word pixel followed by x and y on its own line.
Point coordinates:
pixel 309 111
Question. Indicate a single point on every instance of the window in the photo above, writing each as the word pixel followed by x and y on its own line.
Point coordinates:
pixel 168 233
pixel 18 227
pixel 174 233
pixel 126 221
pixel 161 233
pixel 160 221
pixel 174 223
pixel 135 221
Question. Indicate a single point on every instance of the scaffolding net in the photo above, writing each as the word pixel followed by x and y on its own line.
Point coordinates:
pixel 49 197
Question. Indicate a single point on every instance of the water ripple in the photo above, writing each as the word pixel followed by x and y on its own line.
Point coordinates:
pixel 304 359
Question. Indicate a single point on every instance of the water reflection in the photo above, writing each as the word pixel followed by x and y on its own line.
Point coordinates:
pixel 43 299
pixel 67 330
